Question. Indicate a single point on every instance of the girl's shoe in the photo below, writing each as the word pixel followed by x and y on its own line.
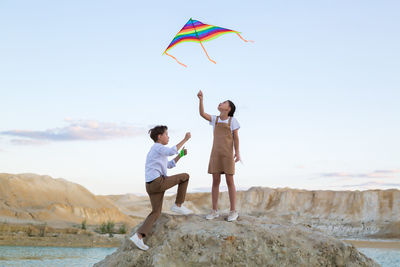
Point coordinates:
pixel 214 214
pixel 181 210
pixel 233 215
pixel 138 242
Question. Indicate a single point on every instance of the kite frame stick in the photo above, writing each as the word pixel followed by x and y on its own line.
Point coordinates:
pixel 165 52
pixel 201 42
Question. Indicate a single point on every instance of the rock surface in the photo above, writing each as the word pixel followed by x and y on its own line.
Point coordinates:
pixel 31 198
pixel 193 241
pixel 346 214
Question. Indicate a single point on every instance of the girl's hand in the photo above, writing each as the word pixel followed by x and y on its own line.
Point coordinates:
pixel 200 95
pixel 237 157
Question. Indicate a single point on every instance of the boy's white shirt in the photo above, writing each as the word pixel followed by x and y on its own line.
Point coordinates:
pixel 157 161
pixel 234 123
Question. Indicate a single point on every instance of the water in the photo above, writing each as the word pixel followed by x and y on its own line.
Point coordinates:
pixel 82 257
pixel 51 256
pixel 385 257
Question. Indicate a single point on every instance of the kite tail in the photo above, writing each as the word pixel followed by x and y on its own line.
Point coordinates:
pixel 243 38
pixel 207 54
pixel 175 59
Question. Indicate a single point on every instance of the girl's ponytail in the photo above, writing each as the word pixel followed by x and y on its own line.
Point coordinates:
pixel 233 108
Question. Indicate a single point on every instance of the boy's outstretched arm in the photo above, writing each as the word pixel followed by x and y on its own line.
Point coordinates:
pixel 201 107
pixel 177 158
pixel 172 163
pixel 184 140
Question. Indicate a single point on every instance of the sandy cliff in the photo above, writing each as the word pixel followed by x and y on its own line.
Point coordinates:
pixel 341 213
pixel 34 198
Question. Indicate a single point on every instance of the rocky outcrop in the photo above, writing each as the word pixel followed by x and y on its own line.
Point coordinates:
pixel 340 213
pixel 372 213
pixel 31 198
pixel 193 241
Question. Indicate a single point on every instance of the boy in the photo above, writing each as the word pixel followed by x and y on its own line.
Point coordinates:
pixel 157 181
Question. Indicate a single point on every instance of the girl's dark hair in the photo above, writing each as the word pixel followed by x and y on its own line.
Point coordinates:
pixel 156 131
pixel 233 108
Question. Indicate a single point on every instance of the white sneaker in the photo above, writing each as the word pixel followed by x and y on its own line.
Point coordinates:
pixel 181 210
pixel 214 214
pixel 233 215
pixel 138 242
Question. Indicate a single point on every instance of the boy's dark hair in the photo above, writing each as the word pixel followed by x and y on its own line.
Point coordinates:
pixel 156 131
pixel 233 108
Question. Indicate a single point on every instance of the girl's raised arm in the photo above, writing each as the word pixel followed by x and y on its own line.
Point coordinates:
pixel 201 107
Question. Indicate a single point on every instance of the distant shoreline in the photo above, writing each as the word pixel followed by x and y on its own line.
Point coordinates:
pixel 382 243
pixel 47 236
pixel 111 242
pixel 63 241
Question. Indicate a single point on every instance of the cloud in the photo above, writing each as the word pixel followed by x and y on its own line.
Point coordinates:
pixel 87 130
pixel 388 171
pixel 25 142
pixel 373 174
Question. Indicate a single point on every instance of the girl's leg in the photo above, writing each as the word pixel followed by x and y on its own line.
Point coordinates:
pixel 215 190
pixel 232 190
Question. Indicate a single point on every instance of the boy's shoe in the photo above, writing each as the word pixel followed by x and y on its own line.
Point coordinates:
pixel 214 214
pixel 233 215
pixel 181 210
pixel 138 242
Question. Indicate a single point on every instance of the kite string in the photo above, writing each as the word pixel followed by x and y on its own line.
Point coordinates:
pixel 207 53
pixel 175 59
pixel 201 42
pixel 243 38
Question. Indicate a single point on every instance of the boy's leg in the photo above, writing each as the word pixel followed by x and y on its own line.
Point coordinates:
pixel 232 190
pixel 215 190
pixel 156 200
pixel 182 180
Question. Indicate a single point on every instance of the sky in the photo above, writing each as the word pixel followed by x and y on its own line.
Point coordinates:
pixel 317 93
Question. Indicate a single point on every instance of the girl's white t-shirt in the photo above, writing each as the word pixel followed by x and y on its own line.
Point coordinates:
pixel 234 123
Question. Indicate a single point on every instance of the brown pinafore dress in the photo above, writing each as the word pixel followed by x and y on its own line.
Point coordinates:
pixel 221 159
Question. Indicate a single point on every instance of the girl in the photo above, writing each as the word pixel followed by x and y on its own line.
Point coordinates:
pixel 222 160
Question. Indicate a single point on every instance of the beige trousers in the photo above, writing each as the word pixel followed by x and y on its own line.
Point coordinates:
pixel 156 190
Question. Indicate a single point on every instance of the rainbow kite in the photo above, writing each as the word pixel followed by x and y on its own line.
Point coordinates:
pixel 196 31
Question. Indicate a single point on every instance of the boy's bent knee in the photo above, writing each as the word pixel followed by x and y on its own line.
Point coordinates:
pixel 186 176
